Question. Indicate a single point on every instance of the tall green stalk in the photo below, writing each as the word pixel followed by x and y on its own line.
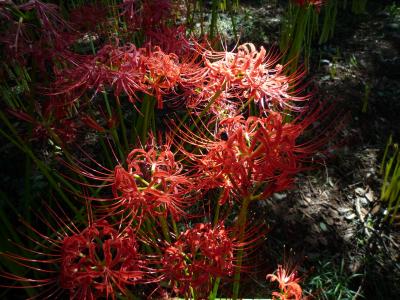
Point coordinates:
pixel 329 13
pixel 53 178
pixel 214 18
pixel 240 227
pixel 391 183
pixel 145 120
pixel 298 32
pixel 164 228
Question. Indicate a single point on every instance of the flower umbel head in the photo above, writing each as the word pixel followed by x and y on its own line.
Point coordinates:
pixel 97 262
pixel 257 156
pixel 153 184
pixel 288 284
pixel 199 253
pixel 247 74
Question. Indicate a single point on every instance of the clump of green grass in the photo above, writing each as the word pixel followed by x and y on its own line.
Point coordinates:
pixel 390 169
pixel 332 282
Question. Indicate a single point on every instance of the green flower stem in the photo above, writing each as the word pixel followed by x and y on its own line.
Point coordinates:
pixel 113 130
pixel 105 150
pixel 164 227
pixel 123 127
pixel 174 226
pixel 217 209
pixel 299 35
pixel 246 104
pixel 141 179
pixel 92 45
pixel 147 113
pixel 214 18
pixel 148 231
pixel 389 143
pixel 116 139
pixel 240 225
pixel 213 295
pixel 193 293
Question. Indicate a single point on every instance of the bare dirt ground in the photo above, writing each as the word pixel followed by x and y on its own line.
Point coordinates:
pixel 333 218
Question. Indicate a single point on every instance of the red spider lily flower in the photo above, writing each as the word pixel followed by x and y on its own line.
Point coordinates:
pixel 249 156
pixel 153 183
pixel 314 3
pixel 163 73
pixel 124 69
pixel 96 262
pixel 91 72
pixel 197 254
pixel 20 36
pixel 288 284
pixel 128 70
pixel 49 16
pixel 156 73
pixel 258 155
pixel 249 74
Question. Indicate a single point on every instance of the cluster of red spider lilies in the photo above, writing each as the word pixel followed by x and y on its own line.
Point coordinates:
pixel 187 139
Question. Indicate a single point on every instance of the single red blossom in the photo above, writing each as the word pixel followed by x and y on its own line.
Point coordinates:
pixel 153 183
pixel 20 36
pixel 248 74
pixel 127 71
pixel 48 14
pixel 163 73
pixel 289 286
pixel 197 254
pixel 96 262
pixel 82 73
pixel 257 156
pixel 249 156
